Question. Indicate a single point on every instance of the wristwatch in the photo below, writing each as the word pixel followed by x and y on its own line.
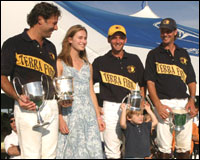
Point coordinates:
pixel 193 97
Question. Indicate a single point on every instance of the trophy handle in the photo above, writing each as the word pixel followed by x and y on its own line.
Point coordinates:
pixel 54 84
pixel 42 80
pixel 170 119
pixel 150 102
pixel 127 96
pixel 14 80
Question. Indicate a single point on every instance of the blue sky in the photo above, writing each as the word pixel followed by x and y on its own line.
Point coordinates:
pixel 184 12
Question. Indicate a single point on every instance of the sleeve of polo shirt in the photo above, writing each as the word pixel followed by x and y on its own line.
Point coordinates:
pixel 7 58
pixel 96 71
pixel 7 143
pixel 150 68
pixel 190 71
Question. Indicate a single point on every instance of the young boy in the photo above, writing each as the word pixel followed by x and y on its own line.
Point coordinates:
pixel 137 132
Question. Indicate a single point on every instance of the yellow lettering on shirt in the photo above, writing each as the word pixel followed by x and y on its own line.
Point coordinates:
pixel 118 80
pixel 171 70
pixel 35 63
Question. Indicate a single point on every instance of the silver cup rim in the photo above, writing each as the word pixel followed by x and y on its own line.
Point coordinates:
pixel 176 108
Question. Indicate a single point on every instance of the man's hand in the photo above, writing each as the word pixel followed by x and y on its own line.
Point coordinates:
pixel 26 104
pixel 13 150
pixel 190 108
pixel 163 111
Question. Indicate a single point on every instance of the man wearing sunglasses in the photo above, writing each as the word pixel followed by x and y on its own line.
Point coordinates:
pixel 11 141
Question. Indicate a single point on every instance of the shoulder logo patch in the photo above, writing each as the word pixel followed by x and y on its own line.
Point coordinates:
pixel 51 55
pixel 183 60
pixel 131 69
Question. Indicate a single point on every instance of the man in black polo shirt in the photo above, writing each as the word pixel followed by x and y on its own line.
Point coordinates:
pixel 28 56
pixel 117 72
pixel 168 70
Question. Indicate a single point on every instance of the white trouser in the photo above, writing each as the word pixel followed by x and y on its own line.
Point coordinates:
pixel 164 130
pixel 37 143
pixel 112 135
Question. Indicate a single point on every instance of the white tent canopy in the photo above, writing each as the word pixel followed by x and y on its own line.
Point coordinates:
pixel 146 12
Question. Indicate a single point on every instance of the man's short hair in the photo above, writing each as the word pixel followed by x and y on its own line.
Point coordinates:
pixel 10 116
pixel 43 9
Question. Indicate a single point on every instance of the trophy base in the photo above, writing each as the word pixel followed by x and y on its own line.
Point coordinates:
pixel 135 109
pixel 66 97
pixel 40 125
pixel 178 128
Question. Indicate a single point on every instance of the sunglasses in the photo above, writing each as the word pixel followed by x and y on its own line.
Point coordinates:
pixel 11 121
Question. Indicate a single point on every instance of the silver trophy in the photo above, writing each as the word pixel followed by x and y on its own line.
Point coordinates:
pixel 178 118
pixel 35 92
pixel 134 99
pixel 64 88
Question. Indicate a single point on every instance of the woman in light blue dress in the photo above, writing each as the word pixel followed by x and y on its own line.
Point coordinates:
pixel 79 124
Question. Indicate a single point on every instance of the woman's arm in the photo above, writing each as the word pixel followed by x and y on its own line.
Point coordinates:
pixel 62 124
pixel 95 102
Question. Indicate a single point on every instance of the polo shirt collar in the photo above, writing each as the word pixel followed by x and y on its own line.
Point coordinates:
pixel 111 55
pixel 162 50
pixel 26 37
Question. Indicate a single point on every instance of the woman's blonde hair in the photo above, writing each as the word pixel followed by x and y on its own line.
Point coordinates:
pixel 66 46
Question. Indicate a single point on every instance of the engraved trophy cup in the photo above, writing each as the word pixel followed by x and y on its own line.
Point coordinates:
pixel 134 99
pixel 64 88
pixel 35 92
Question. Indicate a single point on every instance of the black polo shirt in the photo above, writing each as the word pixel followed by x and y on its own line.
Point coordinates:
pixel 137 140
pixel 170 74
pixel 117 76
pixel 24 58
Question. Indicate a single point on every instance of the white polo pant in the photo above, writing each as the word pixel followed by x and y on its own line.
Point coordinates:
pixel 112 135
pixel 164 130
pixel 37 143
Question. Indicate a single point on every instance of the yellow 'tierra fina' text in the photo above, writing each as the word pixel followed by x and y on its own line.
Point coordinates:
pixel 35 64
pixel 118 80
pixel 171 70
